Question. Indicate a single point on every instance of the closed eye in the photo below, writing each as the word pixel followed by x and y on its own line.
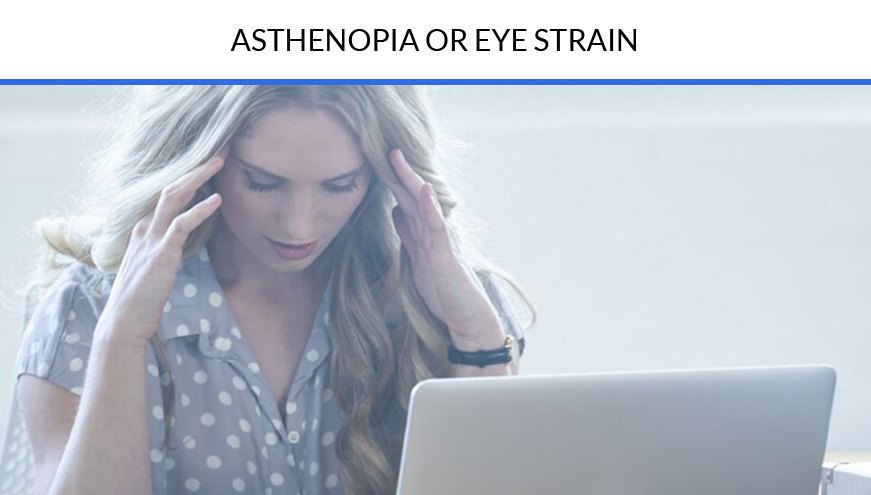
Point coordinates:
pixel 341 189
pixel 256 186
pixel 264 187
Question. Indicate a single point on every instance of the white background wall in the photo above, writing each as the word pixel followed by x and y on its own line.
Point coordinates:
pixel 655 227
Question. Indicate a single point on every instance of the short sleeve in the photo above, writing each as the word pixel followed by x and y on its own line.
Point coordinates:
pixel 57 341
pixel 508 311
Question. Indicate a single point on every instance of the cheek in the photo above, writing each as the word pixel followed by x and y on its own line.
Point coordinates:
pixel 238 206
pixel 343 208
pixel 338 210
pixel 356 198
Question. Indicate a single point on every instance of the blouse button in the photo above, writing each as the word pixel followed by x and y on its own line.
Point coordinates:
pixel 293 437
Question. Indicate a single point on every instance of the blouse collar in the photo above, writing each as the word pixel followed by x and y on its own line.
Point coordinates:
pixel 197 306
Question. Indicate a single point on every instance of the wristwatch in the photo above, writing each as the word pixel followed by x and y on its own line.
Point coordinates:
pixel 508 354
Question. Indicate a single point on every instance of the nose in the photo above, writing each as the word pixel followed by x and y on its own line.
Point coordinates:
pixel 297 218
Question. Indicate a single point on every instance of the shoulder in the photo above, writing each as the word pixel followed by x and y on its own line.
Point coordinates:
pixel 60 328
pixel 80 290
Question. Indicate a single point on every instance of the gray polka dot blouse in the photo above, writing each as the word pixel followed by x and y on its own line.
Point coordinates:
pixel 228 434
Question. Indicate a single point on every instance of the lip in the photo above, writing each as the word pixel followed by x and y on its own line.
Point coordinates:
pixel 290 252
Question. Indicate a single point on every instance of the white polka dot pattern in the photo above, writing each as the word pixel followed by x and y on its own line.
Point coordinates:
pixel 228 434
pixel 190 290
pixel 192 484
pixel 223 344
pixel 328 438
pixel 182 331
pixel 207 419
pixel 215 299
pixel 271 438
pixel 277 479
pixel 189 442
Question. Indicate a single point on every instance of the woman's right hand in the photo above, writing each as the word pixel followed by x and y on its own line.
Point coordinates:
pixel 154 256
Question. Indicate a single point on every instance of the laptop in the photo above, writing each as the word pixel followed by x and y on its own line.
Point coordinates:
pixel 742 431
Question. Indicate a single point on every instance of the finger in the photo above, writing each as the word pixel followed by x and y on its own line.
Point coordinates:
pixel 403 196
pixel 409 190
pixel 406 174
pixel 395 181
pixel 223 152
pixel 179 193
pixel 185 223
pixel 437 237
pixel 201 174
pixel 404 232
pixel 141 226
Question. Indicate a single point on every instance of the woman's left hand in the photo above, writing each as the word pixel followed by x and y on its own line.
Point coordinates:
pixel 450 289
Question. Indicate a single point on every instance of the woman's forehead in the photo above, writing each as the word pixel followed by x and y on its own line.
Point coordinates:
pixel 306 144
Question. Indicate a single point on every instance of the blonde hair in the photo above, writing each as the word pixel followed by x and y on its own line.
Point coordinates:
pixel 384 338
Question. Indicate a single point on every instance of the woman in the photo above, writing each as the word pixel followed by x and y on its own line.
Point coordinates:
pixel 277 266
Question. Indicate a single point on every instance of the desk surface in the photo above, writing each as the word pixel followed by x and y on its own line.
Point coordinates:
pixel 851 478
pixel 847 457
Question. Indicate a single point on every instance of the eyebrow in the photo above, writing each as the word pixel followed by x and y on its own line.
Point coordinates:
pixel 278 177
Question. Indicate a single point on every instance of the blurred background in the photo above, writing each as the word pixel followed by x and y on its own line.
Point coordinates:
pixel 654 227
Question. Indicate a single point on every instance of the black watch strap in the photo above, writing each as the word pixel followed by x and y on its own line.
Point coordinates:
pixel 487 357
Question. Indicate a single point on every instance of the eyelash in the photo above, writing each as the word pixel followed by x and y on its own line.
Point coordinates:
pixel 265 188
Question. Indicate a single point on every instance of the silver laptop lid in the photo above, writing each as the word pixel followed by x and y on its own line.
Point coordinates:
pixel 708 432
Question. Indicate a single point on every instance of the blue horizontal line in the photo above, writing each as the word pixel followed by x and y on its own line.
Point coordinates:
pixel 545 82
